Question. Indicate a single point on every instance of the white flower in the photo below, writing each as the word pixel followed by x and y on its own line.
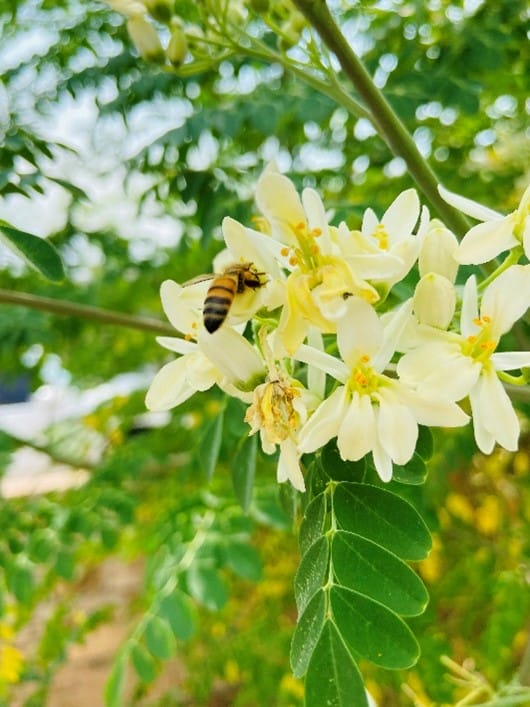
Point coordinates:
pixel 393 233
pixel 496 233
pixel 224 358
pixel 456 365
pixel 279 407
pixel 320 276
pixel 371 412
pixel 277 412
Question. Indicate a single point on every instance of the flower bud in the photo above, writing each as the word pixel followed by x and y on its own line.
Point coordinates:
pixel 437 253
pixel 145 39
pixel 435 301
pixel 129 8
pixel 177 48
pixel 160 10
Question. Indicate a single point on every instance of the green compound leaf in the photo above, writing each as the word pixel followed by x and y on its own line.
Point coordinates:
pixel 413 473
pixel 244 560
pixel 116 682
pixel 159 638
pixel 425 443
pixel 210 445
pixel 353 587
pixel 244 470
pixel 206 587
pixel 369 569
pixel 312 573
pixel 37 252
pixel 372 631
pixel 338 469
pixel 333 678
pixel 383 517
pixel 176 608
pixel 313 522
pixel 143 663
pixel 307 633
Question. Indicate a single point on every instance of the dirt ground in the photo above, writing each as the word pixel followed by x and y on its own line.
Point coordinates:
pixel 80 681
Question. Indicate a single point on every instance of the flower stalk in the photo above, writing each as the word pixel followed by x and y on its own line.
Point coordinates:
pixel 387 123
pixel 73 309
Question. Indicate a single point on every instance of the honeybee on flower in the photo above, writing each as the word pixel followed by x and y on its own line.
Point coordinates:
pixel 306 285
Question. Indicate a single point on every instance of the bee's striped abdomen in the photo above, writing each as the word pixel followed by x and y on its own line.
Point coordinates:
pixel 218 301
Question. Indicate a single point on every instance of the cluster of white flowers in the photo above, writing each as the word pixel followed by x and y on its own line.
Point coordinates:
pixel 327 357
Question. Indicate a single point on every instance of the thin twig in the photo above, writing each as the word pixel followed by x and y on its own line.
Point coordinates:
pixel 73 309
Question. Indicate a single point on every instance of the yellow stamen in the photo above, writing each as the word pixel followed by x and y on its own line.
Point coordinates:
pixel 381 235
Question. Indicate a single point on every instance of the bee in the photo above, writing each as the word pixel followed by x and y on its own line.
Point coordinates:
pixel 234 280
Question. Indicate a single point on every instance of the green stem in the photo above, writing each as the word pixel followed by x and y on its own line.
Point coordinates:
pixel 513 258
pixel 73 309
pixel 332 89
pixel 387 123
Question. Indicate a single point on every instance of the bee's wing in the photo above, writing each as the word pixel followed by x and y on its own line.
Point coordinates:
pixel 199 278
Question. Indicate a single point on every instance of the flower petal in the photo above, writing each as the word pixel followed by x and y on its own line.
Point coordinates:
pixel 469 207
pixel 493 407
pixel 469 313
pixel 181 346
pixel 382 462
pixel 392 332
pixel 397 429
pixel 511 360
pixel 357 433
pixel 322 360
pixel 435 300
pixel 507 298
pixel 438 369
pixel 183 305
pixel 359 332
pixel 233 355
pixel 526 237
pixel 289 465
pixel 253 247
pixel 369 223
pixel 401 216
pixel 437 253
pixel 316 377
pixel 278 201
pixel 316 218
pixel 486 240
pixel 170 386
pixel 433 411
pixel 324 423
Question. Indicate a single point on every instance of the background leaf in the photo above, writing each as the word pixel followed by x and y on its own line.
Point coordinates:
pixel 244 469
pixel 37 252
pixel 159 638
pixel 206 587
